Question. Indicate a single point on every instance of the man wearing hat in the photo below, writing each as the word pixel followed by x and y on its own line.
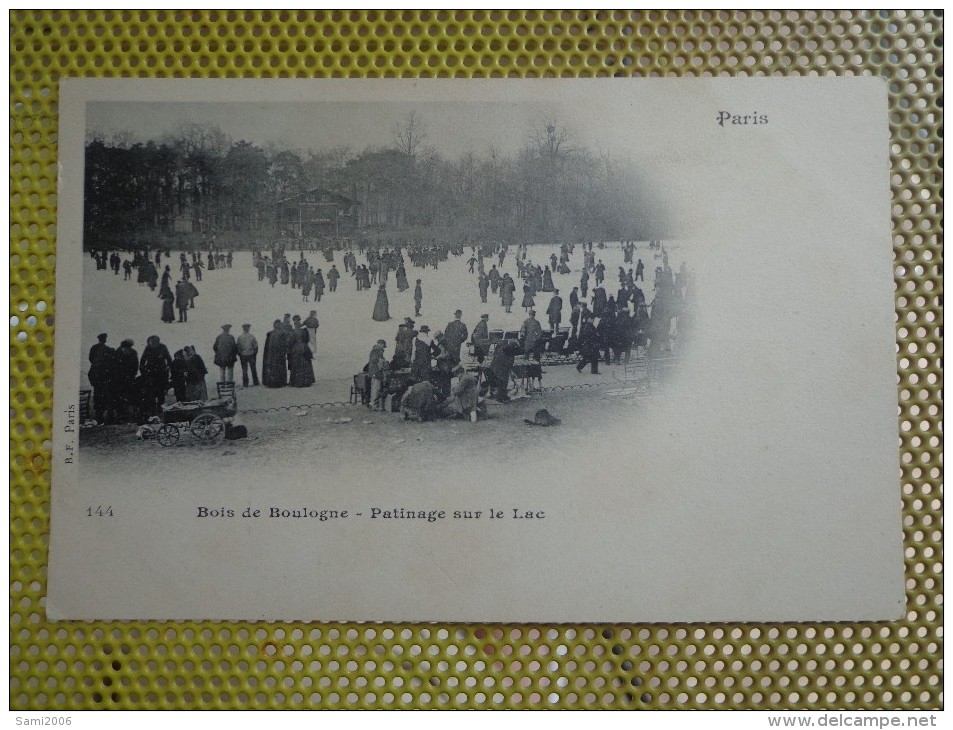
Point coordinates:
pixel 481 338
pixel 420 365
pixel 226 353
pixel 456 334
pixel 248 354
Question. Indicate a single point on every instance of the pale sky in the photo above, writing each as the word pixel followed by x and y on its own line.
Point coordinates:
pixel 453 128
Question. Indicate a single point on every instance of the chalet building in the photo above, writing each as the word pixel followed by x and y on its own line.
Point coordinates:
pixel 316 212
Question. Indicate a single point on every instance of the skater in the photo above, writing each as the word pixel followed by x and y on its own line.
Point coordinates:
pixel 182 300
pixel 418 298
pixel 167 298
pixel 528 301
pixel 484 285
pixel 381 307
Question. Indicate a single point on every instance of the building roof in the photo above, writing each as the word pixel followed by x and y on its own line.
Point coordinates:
pixel 316 195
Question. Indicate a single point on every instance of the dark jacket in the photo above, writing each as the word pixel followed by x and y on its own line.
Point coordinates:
pixel 226 350
pixel 503 358
pixel 420 365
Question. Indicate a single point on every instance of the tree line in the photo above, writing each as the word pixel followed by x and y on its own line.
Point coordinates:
pixel 200 181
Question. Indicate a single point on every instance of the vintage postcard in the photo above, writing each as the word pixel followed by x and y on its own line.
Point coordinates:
pixel 456 350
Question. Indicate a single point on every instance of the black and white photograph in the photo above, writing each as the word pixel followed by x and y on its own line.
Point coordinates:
pixel 487 350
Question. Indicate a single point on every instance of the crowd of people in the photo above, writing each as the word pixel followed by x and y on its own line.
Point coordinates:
pixel 602 327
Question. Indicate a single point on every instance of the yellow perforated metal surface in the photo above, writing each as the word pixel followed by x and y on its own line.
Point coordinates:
pixel 240 665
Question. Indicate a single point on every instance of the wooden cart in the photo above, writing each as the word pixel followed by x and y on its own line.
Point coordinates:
pixel 205 421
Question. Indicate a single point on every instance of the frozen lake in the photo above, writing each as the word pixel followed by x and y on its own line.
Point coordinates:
pixel 125 309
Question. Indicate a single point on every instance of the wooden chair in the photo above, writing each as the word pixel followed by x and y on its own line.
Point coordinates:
pixel 85 403
pixel 226 389
pixel 360 389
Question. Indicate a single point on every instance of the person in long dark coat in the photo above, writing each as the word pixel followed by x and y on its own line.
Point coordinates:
pixel 154 366
pixel 481 339
pixel 318 285
pixel 494 277
pixel 555 311
pixel 456 334
pixel 299 362
pixel 100 377
pixel 127 367
pixel 167 297
pixel 152 276
pixel 598 301
pixel 402 283
pixel 404 350
pixel 528 300
pixel 507 288
pixel 420 365
pixel 381 309
pixel 195 372
pixel 588 347
pixel 274 364
pixel 498 374
pixel 177 375
pixel 182 300
pixel 547 279
pixel 483 284
pixel 418 298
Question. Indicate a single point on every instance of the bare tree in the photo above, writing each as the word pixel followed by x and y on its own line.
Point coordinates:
pixel 552 140
pixel 409 134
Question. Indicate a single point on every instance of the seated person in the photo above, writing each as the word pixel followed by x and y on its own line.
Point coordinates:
pixel 463 399
pixel 419 402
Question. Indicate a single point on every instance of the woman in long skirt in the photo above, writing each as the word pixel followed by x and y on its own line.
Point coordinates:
pixel 274 364
pixel 402 283
pixel 195 372
pixel 528 300
pixel 167 298
pixel 299 363
pixel 381 308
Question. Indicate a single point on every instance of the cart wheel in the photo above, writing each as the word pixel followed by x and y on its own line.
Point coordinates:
pixel 168 435
pixel 207 428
